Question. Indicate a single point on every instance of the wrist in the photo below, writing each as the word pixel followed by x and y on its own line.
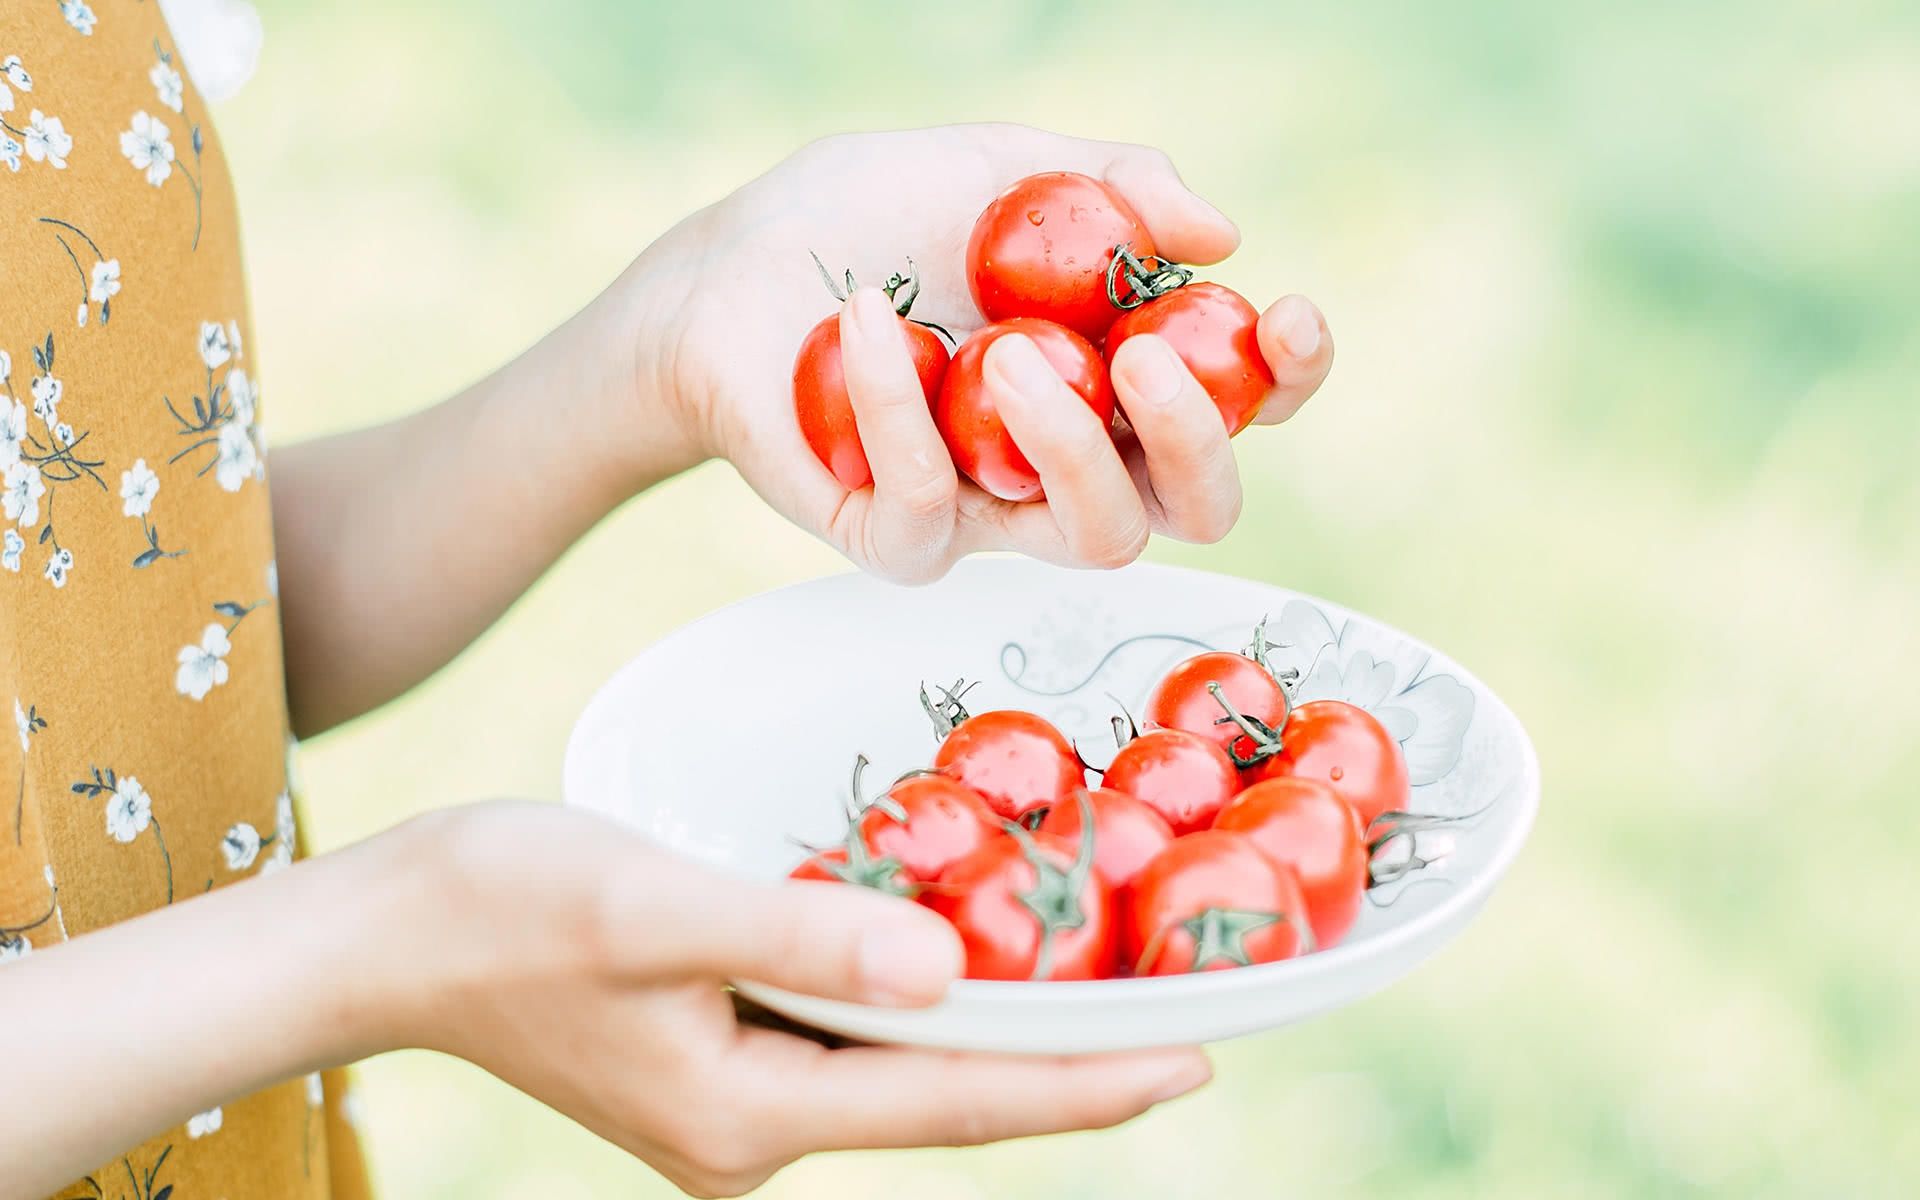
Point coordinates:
pixel 657 415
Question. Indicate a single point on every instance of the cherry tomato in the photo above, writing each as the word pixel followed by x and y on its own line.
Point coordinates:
pixel 826 413
pixel 851 864
pixel 1304 825
pixel 1208 901
pixel 1211 328
pixel 1345 748
pixel 970 424
pixel 1181 699
pixel 1185 777
pixel 1127 833
pixel 1031 907
pixel 926 823
pixel 1018 762
pixel 1042 249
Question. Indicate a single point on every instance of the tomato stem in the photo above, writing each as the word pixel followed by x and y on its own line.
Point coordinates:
pixel 950 711
pixel 1257 651
pixel 1144 282
pixel 1265 737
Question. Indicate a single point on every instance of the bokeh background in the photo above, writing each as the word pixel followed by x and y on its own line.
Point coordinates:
pixel 1625 417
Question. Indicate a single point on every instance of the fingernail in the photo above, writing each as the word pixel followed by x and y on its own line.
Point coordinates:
pixel 1298 326
pixel 905 966
pixel 1020 366
pixel 871 310
pixel 1152 370
pixel 1189 1076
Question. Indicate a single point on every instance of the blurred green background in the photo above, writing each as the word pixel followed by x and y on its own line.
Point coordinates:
pixel 1624 418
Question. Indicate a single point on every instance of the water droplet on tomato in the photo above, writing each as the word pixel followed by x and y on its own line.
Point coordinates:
pixel 1336 773
pixel 1035 216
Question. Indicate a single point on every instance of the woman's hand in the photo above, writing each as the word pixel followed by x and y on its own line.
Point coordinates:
pixel 725 298
pixel 584 967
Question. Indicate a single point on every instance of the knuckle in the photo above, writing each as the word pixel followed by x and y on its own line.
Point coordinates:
pixel 1116 547
pixel 930 497
pixel 1213 522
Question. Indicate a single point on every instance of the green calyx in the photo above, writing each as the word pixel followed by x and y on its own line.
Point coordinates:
pixel 863 870
pixel 1220 934
pixel 903 288
pixel 1054 899
pixel 1145 278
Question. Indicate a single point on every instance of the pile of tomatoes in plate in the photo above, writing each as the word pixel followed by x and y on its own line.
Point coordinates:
pixel 1235 828
pixel 1061 258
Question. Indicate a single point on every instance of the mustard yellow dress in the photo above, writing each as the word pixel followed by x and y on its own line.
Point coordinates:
pixel 148 758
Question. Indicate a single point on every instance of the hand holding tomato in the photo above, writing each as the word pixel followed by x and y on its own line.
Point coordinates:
pixel 723 301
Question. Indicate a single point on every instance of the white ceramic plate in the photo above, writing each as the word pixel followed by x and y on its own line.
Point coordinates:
pixel 837 664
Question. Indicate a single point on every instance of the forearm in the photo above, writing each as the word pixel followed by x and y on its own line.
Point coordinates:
pixel 126 1031
pixel 399 544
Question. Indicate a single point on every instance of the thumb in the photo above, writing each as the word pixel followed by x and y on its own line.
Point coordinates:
pixel 831 940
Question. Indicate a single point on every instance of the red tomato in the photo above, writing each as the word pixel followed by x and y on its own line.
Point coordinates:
pixel 1018 762
pixel 1181 699
pixel 1344 747
pixel 926 823
pixel 1127 833
pixel 1208 901
pixel 1183 776
pixel 970 424
pixel 1042 249
pixel 1304 825
pixel 1032 907
pixel 1211 328
pixel 826 413
pixel 850 864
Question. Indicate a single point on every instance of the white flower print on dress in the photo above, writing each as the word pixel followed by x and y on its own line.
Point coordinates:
pixel 13 430
pixel 215 346
pixel 9 153
pixel 316 1094
pixel 106 281
pixel 129 810
pixel 23 726
pixel 46 398
pixel 199 1125
pixel 59 563
pixel 63 434
pixel 284 834
pixel 240 846
pixel 138 486
pixel 233 337
pixel 147 147
pixel 273 589
pixel 11 546
pixel 78 15
pixel 238 459
pixel 245 395
pixel 203 667
pixel 21 499
pixel 12 947
pixel 47 139
pixel 16 74
pixel 168 85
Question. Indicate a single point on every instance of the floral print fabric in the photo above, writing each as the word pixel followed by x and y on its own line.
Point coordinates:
pixel 148 759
